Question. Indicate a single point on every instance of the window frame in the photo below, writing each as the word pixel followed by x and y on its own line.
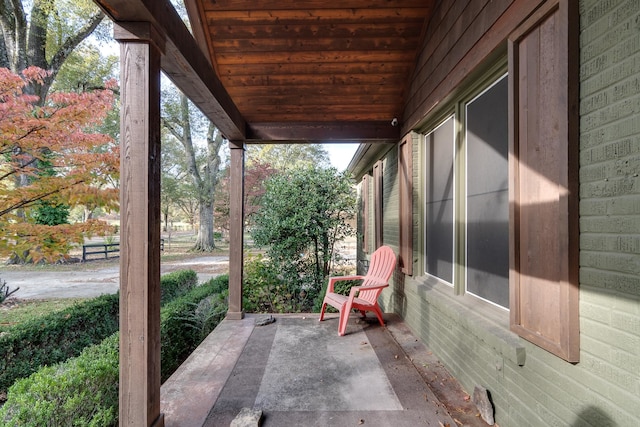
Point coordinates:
pixel 364 194
pixel 443 119
pixel 487 84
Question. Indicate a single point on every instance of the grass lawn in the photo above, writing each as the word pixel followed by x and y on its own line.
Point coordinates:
pixel 14 311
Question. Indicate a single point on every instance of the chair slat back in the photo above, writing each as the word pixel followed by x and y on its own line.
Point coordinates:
pixel 381 266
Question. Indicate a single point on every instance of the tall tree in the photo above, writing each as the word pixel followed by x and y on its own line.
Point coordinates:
pixel 171 175
pixel 45 35
pixel 284 157
pixel 178 117
pixel 86 69
pixel 70 164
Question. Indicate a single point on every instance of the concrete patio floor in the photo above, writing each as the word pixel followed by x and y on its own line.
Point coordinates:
pixel 299 372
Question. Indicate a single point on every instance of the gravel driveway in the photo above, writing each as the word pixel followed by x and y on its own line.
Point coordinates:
pixel 88 283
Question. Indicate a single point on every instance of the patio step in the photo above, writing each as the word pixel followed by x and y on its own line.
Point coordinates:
pixel 189 394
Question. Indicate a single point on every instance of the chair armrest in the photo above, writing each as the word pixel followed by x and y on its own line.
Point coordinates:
pixel 355 289
pixel 334 279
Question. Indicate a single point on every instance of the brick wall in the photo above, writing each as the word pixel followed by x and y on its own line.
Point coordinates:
pixel 610 201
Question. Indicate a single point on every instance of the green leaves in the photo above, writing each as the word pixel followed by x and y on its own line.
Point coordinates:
pixel 305 211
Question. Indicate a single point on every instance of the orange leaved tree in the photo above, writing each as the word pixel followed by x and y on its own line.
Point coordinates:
pixel 50 156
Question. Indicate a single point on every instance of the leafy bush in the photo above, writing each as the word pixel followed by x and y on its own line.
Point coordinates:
pixel 303 213
pixel 58 336
pixel 263 290
pixel 83 391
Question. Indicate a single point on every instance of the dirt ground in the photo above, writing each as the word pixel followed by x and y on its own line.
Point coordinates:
pixel 87 280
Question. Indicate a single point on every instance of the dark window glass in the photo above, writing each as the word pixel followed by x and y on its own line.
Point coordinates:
pixel 439 201
pixel 488 194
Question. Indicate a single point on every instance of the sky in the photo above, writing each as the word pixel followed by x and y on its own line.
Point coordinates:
pixel 340 154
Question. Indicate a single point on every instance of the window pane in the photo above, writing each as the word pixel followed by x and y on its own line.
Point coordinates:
pixel 439 201
pixel 488 195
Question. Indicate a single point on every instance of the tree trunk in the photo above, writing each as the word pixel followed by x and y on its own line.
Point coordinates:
pixel 205 241
pixel 165 214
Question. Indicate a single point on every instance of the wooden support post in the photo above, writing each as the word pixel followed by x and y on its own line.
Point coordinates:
pixel 140 54
pixel 236 230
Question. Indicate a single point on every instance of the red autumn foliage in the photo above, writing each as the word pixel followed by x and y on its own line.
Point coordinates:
pixel 254 177
pixel 81 164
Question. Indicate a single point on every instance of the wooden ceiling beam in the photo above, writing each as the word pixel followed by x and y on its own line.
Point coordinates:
pixel 371 132
pixel 183 61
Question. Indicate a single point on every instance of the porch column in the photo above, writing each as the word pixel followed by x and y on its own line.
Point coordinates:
pixel 236 229
pixel 140 51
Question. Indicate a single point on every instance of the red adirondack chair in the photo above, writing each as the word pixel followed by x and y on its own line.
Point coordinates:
pixel 381 265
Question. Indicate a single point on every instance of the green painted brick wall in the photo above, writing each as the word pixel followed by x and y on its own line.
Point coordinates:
pixel 603 389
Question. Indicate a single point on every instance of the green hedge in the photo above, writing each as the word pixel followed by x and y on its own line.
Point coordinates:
pixel 83 391
pixel 55 337
pixel 58 336
pixel 176 284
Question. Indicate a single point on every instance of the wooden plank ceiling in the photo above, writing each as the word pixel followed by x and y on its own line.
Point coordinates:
pixel 313 69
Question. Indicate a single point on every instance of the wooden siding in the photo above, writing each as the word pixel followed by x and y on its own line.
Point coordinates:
pixel 378 201
pixel 460 36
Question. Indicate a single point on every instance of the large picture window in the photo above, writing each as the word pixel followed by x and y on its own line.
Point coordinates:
pixel 487 199
pixel 439 202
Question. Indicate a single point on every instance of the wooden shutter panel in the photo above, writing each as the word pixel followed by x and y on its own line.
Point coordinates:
pixel 405 174
pixel 544 179
pixel 377 200
pixel 365 213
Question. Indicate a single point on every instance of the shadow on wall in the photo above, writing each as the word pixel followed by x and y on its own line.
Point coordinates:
pixel 398 299
pixel 592 416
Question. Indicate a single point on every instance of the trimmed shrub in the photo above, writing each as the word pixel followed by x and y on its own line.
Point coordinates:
pixel 83 391
pixel 176 284
pixel 53 338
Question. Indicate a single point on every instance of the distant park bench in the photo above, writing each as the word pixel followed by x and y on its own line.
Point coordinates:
pixel 105 249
